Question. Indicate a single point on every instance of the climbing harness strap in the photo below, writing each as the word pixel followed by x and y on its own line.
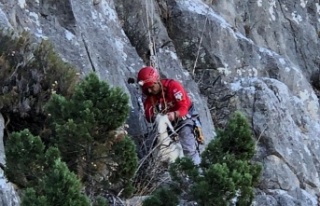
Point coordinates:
pixel 196 126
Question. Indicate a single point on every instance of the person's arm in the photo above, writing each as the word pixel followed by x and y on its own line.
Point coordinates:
pixel 182 100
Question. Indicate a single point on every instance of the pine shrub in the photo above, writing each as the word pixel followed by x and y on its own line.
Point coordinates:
pixel 101 201
pixel 236 139
pixel 46 180
pixel 86 118
pixel 124 154
pixel 30 198
pixel 82 127
pixel 163 196
pixel 228 170
pixel 59 187
pixel 24 159
pixel 216 187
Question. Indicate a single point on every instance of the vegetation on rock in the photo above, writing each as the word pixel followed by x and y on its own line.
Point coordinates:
pixel 82 126
pixel 226 173
pixel 30 73
pixel 47 180
pixel 73 150
pixel 75 141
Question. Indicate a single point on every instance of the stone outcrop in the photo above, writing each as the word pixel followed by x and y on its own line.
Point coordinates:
pixel 8 194
pixel 260 57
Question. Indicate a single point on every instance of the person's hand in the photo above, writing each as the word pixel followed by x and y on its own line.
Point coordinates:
pixel 171 116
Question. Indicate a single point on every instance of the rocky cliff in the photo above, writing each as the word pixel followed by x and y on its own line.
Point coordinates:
pixel 260 57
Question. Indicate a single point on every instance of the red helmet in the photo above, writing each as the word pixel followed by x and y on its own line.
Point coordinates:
pixel 147 76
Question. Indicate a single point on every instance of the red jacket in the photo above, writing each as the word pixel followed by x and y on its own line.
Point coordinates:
pixel 173 94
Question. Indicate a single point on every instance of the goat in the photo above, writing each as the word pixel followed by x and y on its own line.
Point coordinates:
pixel 168 149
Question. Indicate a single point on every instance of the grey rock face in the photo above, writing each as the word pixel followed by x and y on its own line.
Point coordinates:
pixel 253 56
pixel 4 23
pixel 8 195
pixel 287 138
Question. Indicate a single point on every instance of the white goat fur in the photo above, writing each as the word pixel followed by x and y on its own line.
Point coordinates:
pixel 168 150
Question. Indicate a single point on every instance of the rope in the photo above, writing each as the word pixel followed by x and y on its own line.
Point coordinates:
pixel 164 98
pixel 150 23
pixel 165 109
pixel 199 46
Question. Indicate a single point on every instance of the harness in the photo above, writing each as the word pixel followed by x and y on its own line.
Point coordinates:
pixel 197 128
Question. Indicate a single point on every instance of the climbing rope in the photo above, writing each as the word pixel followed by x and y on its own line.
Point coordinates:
pixel 153 58
pixel 200 42
pixel 150 23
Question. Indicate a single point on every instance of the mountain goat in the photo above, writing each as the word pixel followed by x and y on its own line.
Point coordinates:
pixel 168 149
